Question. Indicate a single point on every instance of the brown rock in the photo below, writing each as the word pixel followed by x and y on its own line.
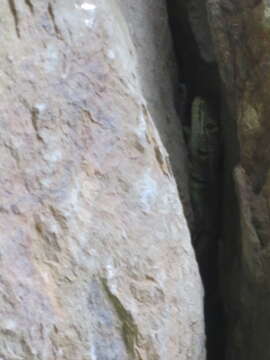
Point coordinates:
pixel 240 33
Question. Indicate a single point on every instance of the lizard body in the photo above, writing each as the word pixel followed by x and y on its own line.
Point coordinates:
pixel 205 198
pixel 204 172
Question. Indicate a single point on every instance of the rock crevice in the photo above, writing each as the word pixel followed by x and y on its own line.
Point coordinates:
pixel 224 56
pixel 202 122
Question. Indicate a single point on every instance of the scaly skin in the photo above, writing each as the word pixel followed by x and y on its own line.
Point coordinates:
pixel 204 191
pixel 204 174
pixel 205 195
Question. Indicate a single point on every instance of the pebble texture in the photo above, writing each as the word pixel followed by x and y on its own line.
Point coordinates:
pixel 95 255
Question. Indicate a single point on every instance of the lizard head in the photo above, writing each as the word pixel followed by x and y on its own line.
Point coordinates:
pixel 204 130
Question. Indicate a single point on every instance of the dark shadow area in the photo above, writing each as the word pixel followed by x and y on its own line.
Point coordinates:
pixel 229 245
pixel 199 78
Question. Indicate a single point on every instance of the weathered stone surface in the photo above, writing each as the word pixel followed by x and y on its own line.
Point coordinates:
pixel 96 261
pixel 158 76
pixel 241 37
pixel 239 44
pixel 197 16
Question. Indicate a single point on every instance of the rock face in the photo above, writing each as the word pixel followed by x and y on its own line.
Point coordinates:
pixel 241 33
pixel 158 76
pixel 235 36
pixel 95 257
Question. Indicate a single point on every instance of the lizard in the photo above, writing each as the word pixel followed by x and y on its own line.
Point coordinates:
pixel 204 148
pixel 204 182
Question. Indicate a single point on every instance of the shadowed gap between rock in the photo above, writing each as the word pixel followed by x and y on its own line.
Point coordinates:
pixel 198 99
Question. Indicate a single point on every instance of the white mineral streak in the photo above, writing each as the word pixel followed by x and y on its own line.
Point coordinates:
pixel 147 191
pixel 141 129
pixel 88 6
pixel 90 10
pixel 89 22
pixel 111 54
pixel 40 107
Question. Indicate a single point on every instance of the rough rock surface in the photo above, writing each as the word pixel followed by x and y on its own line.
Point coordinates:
pixel 159 79
pixel 95 256
pixel 241 33
pixel 239 44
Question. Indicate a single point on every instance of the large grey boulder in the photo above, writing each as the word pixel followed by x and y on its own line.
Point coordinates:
pixel 95 255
